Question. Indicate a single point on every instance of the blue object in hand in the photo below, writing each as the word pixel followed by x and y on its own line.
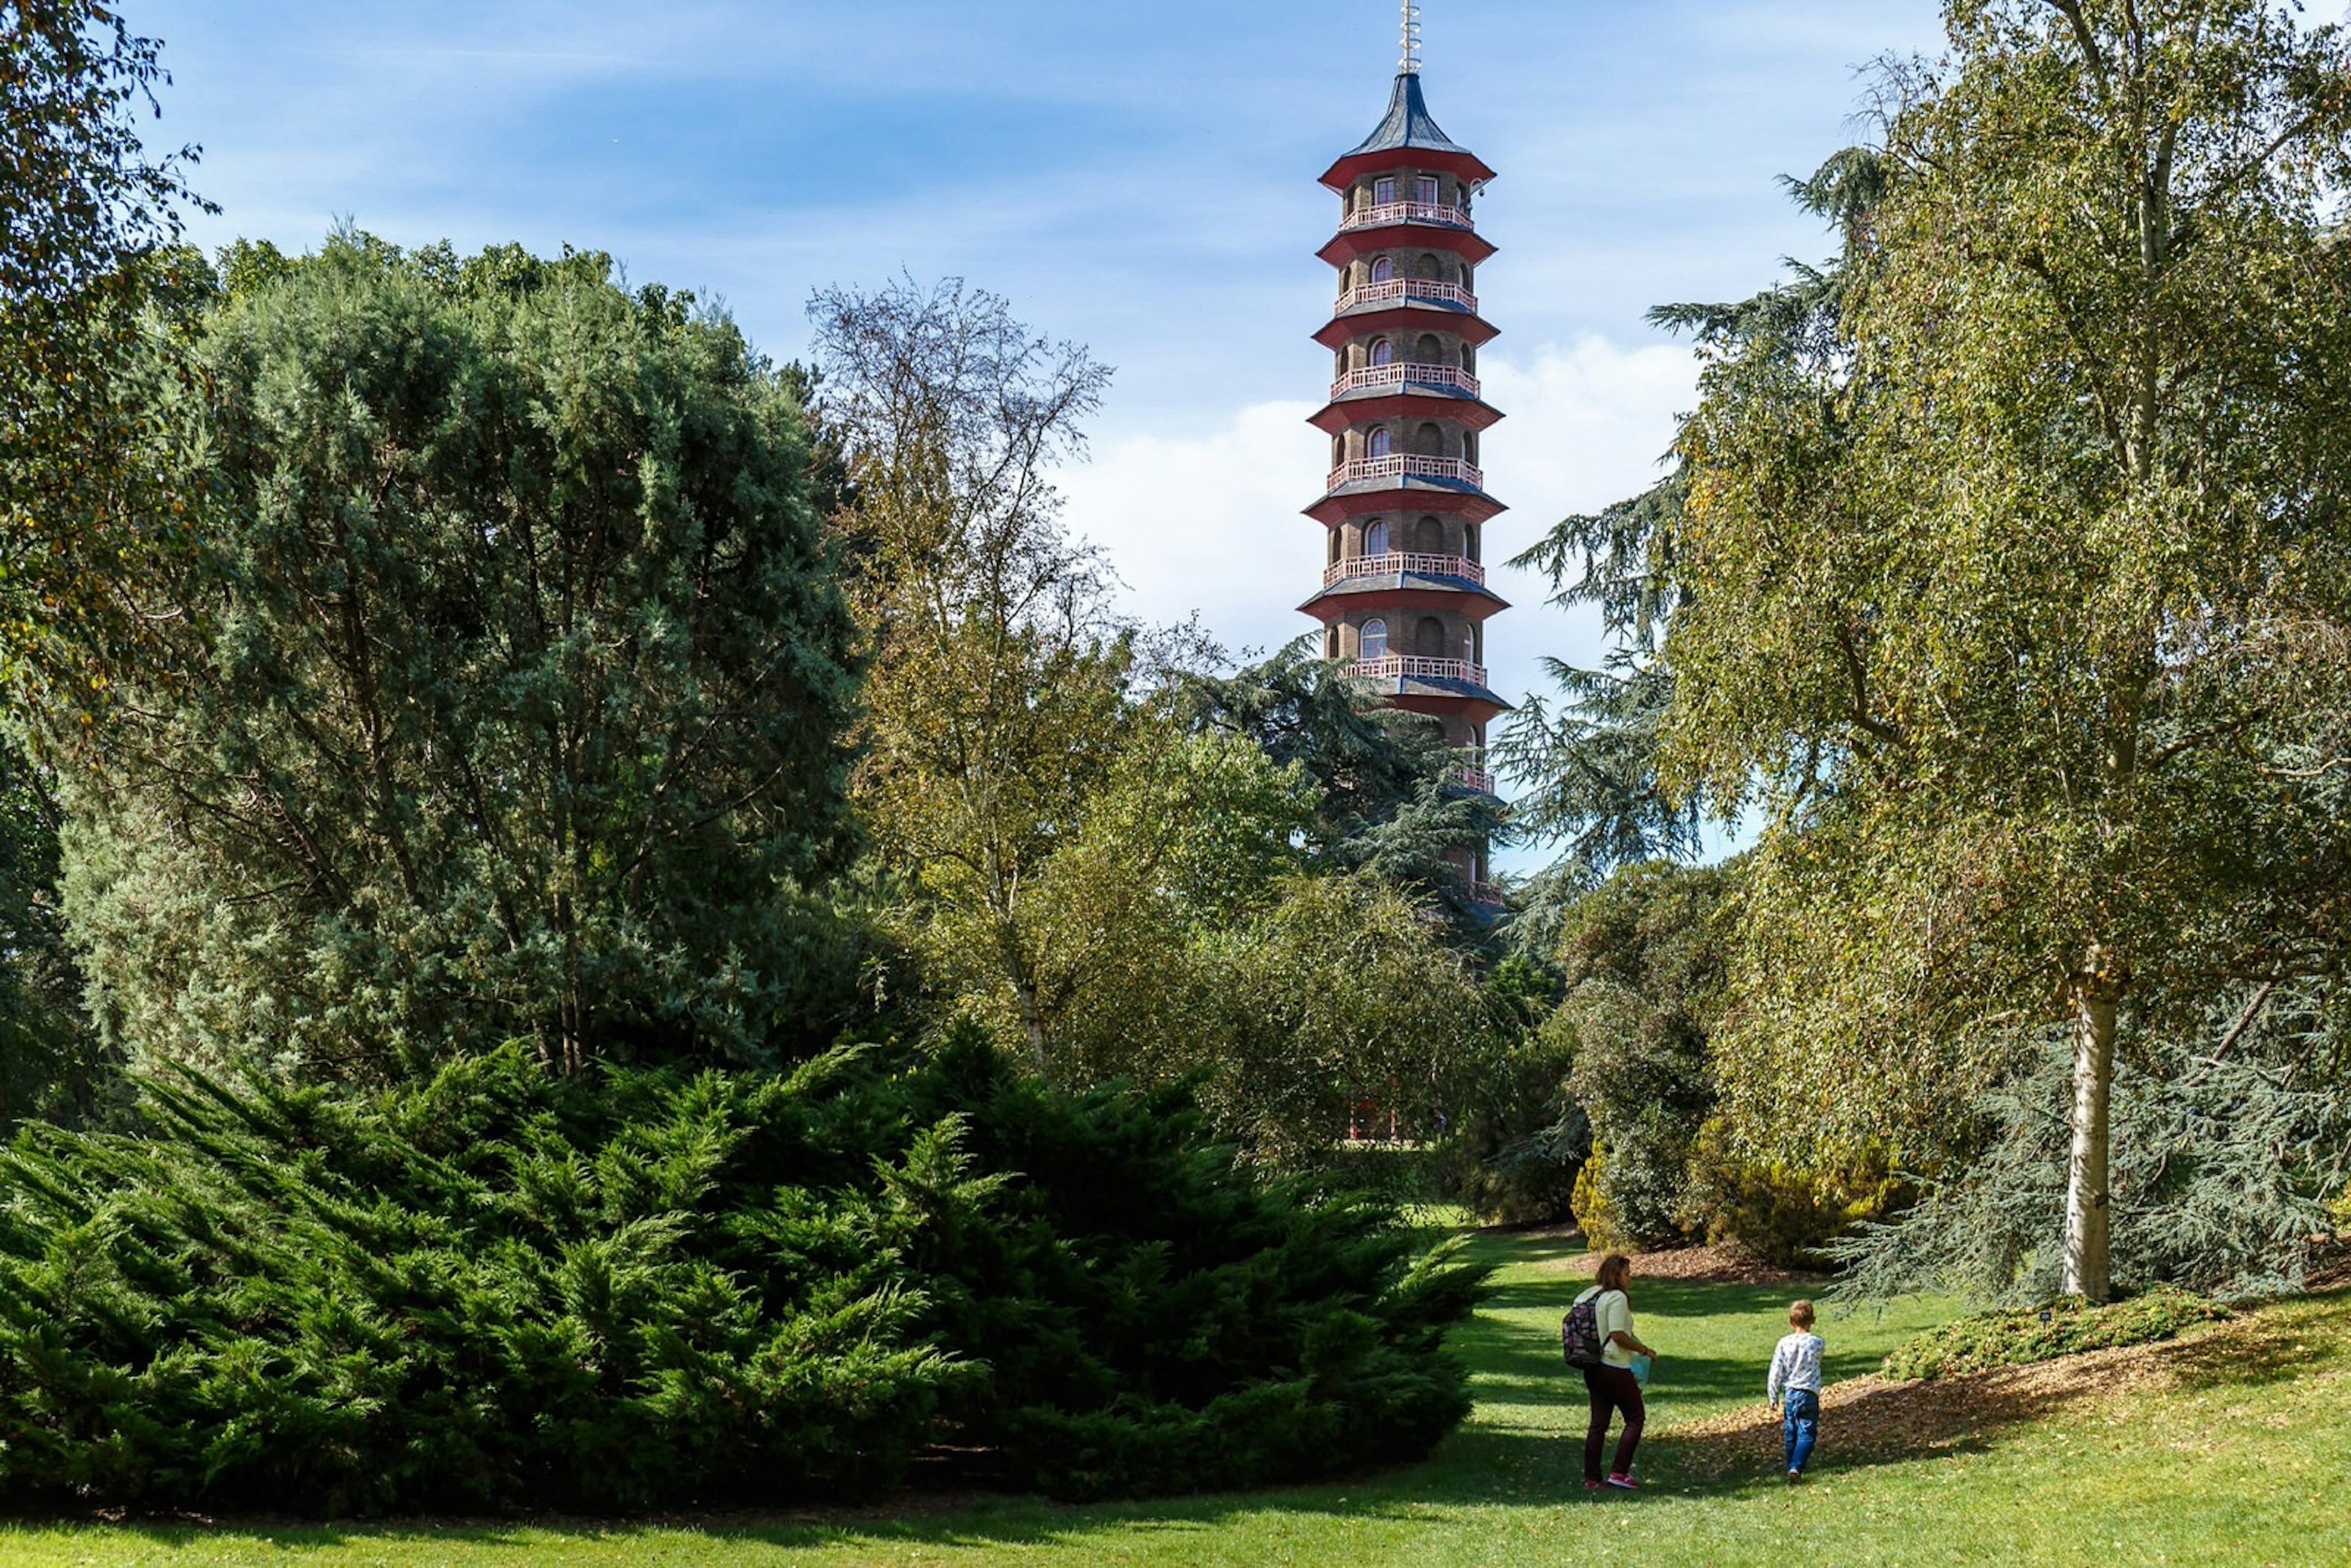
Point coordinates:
pixel 1641 1370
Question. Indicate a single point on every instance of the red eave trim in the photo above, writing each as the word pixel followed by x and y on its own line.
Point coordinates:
pixel 1348 244
pixel 1467 411
pixel 1406 317
pixel 1419 160
pixel 1477 710
pixel 1330 604
pixel 1332 510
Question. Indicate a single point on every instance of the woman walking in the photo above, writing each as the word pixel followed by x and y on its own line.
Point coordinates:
pixel 1611 1383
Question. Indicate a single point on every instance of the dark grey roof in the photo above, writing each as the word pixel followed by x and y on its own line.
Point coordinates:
pixel 1407 123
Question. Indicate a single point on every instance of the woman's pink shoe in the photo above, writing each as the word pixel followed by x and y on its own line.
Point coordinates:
pixel 1623 1482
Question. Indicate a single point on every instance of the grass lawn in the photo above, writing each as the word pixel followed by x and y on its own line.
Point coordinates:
pixel 2233 1447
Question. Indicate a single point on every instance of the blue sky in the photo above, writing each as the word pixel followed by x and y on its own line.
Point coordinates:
pixel 1137 177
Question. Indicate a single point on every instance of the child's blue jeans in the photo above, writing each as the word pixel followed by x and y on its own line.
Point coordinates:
pixel 1800 1425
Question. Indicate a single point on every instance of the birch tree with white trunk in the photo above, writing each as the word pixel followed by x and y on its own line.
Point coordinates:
pixel 2019 605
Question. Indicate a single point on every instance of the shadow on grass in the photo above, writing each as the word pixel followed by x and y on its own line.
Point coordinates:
pixel 1524 1448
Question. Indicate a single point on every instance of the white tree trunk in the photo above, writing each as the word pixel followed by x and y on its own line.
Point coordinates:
pixel 2088 1212
pixel 1032 1025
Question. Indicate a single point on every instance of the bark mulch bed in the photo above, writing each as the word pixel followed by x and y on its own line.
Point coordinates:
pixel 1697 1266
pixel 2330 1264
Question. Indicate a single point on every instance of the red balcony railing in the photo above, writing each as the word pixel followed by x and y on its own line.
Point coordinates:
pixel 1400 374
pixel 1402 466
pixel 1415 667
pixel 1405 288
pixel 1469 771
pixel 1396 563
pixel 1407 212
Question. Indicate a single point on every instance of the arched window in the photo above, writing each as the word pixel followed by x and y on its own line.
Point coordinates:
pixel 1430 440
pixel 1334 546
pixel 1383 352
pixel 1428 537
pixel 1330 642
pixel 1429 351
pixel 1372 642
pixel 1428 189
pixel 1375 537
pixel 1383 191
pixel 1384 270
pixel 1381 444
pixel 1430 637
pixel 1338 450
pixel 1469 540
pixel 1469 447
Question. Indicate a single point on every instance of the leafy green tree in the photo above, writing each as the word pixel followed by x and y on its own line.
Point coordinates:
pixel 998 697
pixel 88 222
pixel 504 697
pixel 1185 838
pixel 1135 871
pixel 1590 754
pixel 1645 957
pixel 1340 989
pixel 2025 610
pixel 1385 796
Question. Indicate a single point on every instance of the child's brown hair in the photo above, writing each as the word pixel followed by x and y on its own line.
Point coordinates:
pixel 1800 1316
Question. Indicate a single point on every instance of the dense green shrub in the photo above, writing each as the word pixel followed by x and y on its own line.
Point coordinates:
pixel 2017 1338
pixel 1782 1214
pixel 497 1287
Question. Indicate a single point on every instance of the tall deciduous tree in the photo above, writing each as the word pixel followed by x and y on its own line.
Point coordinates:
pixel 86 224
pixel 997 702
pixel 2027 607
pixel 504 696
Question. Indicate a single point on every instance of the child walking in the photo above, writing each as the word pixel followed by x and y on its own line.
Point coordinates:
pixel 1794 1388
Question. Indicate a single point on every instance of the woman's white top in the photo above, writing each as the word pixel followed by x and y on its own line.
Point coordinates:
pixel 1614 1311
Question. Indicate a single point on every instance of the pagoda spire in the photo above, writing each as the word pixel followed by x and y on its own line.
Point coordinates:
pixel 1408 61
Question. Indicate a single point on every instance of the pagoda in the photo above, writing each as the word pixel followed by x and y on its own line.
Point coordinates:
pixel 1403 597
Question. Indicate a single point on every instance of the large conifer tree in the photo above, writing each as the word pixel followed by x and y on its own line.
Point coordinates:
pixel 502 696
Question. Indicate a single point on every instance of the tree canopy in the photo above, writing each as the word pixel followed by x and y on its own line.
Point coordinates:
pixel 2004 567
pixel 504 694
pixel 88 219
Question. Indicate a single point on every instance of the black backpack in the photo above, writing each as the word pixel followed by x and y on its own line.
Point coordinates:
pixel 1579 1332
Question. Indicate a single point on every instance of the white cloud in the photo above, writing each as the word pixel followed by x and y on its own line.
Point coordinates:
pixel 1203 517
